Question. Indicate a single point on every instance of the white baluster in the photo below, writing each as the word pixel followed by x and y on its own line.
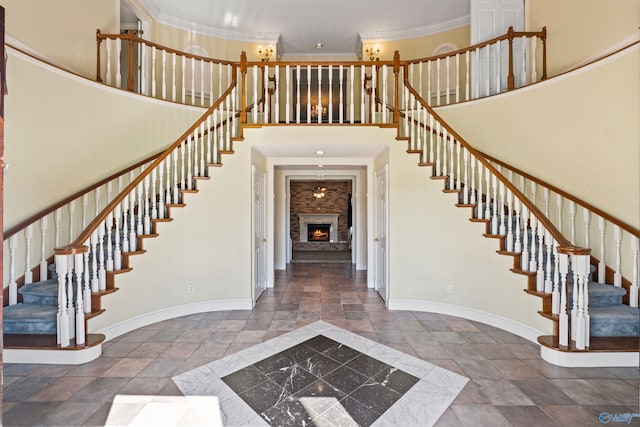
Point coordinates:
pixel 494 217
pixel 153 71
pixel 95 282
pixel 509 220
pixel 385 99
pixel 633 289
pixel 108 225
pixel 548 283
pixel 211 83
pixel 579 319
pixel 559 203
pixel 448 86
pixel 183 62
pixel 108 76
pixel 174 83
pixel 373 94
pixel 533 220
pixel 432 138
pixel 118 63
pixel 540 273
pixel 28 238
pixel 140 214
pixel 146 224
pixel 534 72
pixel 498 74
pixel 79 318
pixel 133 240
pixel 545 193
pixel 555 293
pixel 117 253
pixel 44 267
pixel 13 285
pixel 617 276
pixel 457 77
pixel 62 318
pixel 70 310
pixel 298 94
pixel 602 267
pixel 470 195
pixel 524 258
pixel 438 81
pixel 86 280
pixel 254 111
pixel 480 208
pixel 85 207
pixel 362 94
pixel 161 201
pixel 277 89
pixel 564 316
pixel 487 201
pixel 438 150
pixel 458 182
pixel 72 211
pixel 102 274
pixel 341 98
pixel 572 221
pixel 201 82
pixel 193 80
pixel 587 220
pixel 517 247
pixel 319 105
pixel 58 219
pixel 467 80
pixel 154 203
pixel 308 93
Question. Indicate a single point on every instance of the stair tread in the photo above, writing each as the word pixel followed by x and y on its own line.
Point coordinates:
pixel 42 288
pixel 614 313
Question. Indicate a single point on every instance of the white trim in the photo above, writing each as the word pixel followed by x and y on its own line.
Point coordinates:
pixel 417 32
pixel 616 46
pixel 28 49
pixel 136 322
pixel 590 359
pixel 491 319
pixel 52 357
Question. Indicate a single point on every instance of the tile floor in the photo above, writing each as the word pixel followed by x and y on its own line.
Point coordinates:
pixel 509 385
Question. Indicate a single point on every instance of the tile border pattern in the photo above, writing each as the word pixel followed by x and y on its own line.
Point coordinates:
pixel 422 405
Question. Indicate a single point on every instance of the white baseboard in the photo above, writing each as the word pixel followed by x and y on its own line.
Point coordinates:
pixel 590 359
pixel 52 357
pixel 129 325
pixel 491 319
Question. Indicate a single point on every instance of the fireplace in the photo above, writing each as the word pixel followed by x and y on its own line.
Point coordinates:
pixel 318 232
pixel 328 231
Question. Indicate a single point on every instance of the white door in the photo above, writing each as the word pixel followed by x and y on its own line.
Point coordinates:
pixel 489 19
pixel 259 233
pixel 380 280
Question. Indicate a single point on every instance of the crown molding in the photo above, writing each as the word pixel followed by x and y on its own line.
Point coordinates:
pixel 416 32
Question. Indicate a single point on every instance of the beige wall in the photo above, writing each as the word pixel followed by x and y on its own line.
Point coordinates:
pixel 64 31
pixel 579 132
pixel 207 247
pixel 58 126
pixel 420 47
pixel 582 29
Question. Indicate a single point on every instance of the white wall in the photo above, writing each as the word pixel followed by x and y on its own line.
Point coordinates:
pixel 206 246
pixel 432 245
pixel 579 132
pixel 64 132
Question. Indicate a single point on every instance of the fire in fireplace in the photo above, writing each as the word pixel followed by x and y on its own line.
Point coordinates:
pixel 318 232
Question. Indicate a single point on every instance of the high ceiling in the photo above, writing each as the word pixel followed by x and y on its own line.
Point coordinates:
pixel 297 26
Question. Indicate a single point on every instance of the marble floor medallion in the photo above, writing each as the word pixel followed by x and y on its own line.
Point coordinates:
pixel 323 375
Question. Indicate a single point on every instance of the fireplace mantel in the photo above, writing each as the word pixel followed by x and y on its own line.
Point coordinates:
pixel 325 218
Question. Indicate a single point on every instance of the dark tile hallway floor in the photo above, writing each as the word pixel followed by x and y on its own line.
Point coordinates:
pixel 509 384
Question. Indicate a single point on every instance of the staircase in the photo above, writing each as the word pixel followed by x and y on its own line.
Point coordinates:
pixel 102 250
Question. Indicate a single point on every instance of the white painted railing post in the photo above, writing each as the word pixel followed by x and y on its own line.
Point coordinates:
pixel 13 285
pixel 555 293
pixel 79 315
pixel 44 267
pixel 602 267
pixel 28 237
pixel 617 276
pixel 62 318
pixel 564 316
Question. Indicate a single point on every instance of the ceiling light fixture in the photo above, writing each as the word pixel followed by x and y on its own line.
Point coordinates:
pixel 319 192
pixel 373 53
pixel 266 53
pixel 318 45
pixel 319 152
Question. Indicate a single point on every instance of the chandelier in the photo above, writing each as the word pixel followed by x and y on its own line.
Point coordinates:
pixel 320 192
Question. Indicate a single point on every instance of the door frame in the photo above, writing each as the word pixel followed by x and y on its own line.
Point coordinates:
pixel 258 174
pixel 384 171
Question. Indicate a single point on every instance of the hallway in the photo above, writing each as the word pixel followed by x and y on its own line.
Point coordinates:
pixel 509 384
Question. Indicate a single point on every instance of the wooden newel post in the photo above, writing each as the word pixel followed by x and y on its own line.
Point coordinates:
pixel 396 96
pixel 130 79
pixel 510 77
pixel 243 87
pixel 98 42
pixel 544 53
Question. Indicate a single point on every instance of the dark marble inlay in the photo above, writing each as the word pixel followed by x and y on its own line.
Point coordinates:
pixel 320 380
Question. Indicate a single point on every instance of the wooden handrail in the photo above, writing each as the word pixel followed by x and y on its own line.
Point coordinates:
pixel 629 228
pixel 78 245
pixel 564 246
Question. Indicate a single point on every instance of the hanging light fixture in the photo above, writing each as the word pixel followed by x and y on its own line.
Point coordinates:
pixel 319 192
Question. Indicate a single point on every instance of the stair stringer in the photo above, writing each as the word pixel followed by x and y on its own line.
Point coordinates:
pixel 434 245
pixel 206 248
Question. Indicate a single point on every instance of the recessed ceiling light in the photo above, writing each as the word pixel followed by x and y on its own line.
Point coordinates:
pixel 318 45
pixel 320 166
pixel 319 152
